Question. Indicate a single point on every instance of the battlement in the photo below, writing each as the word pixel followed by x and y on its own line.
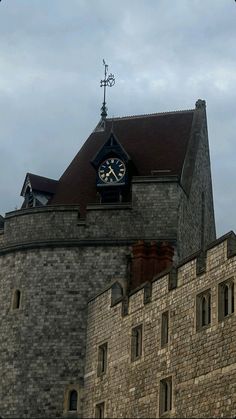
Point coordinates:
pixel 177 343
pixel 200 263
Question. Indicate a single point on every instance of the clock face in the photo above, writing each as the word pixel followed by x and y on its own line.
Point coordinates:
pixel 112 170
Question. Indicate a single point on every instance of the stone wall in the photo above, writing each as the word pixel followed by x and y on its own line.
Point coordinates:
pixel 146 217
pixel 42 345
pixel 201 363
pixel 41 224
pixel 58 262
pixel 196 228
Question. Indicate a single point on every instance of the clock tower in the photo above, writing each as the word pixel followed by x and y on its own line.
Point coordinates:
pixel 63 249
pixel 114 171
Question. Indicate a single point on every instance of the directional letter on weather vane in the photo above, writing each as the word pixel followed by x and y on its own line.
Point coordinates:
pixel 108 81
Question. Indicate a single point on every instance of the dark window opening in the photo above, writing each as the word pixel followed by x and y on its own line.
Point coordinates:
pixel 99 411
pixel 165 395
pixel 203 309
pixel 102 359
pixel 136 343
pixel 226 299
pixel 73 400
pixel 164 328
pixel 16 299
pixel 111 196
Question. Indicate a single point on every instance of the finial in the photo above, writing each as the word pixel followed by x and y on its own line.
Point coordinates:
pixel 108 81
pixel 200 104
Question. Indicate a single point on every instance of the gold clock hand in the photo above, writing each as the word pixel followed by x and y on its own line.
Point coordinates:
pixel 112 171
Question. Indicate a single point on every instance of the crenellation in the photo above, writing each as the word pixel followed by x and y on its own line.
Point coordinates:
pixel 194 358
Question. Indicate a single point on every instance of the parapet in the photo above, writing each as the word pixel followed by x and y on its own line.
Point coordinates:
pixel 40 224
pixel 216 257
pixel 123 223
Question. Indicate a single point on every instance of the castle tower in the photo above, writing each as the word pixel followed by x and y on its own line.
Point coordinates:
pixel 137 179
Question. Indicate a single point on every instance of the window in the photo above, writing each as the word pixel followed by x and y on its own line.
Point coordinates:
pixel 73 400
pixel 16 299
pixel 136 343
pixel 165 395
pixel 226 298
pixel 29 198
pixel 164 328
pixel 99 410
pixel 203 306
pixel 102 359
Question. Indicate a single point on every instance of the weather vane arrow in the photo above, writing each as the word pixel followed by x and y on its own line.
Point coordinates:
pixel 108 81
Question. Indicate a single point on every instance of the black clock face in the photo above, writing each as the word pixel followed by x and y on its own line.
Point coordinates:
pixel 112 170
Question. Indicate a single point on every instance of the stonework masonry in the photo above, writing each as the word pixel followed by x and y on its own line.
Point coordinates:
pixel 196 213
pixel 58 261
pixel 53 261
pixel 201 363
pixel 43 347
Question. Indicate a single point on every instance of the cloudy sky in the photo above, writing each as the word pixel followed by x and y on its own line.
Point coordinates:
pixel 165 55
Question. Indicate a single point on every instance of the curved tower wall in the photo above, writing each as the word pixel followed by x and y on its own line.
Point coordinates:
pixel 58 262
pixel 42 342
pixel 42 345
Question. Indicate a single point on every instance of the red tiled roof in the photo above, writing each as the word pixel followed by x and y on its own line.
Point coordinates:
pixel 153 142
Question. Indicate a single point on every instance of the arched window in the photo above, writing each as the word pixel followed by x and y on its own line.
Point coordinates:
pixel 16 299
pixel 73 400
pixel 166 395
pixel 206 309
pixel 226 298
pixel 203 309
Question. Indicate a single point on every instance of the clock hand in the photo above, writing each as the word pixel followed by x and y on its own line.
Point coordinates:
pixel 112 171
pixel 108 173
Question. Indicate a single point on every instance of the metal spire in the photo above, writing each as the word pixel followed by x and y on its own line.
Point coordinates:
pixel 108 81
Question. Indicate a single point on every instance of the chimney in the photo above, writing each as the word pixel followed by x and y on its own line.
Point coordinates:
pixel 148 260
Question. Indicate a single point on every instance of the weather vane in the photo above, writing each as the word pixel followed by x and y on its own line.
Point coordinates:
pixel 108 81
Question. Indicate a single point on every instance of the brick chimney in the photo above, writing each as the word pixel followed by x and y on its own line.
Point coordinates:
pixel 148 260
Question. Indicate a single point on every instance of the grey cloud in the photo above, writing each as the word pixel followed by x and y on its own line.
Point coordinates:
pixel 165 55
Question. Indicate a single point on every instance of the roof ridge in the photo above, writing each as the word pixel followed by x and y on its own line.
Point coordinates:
pixel 39 176
pixel 150 114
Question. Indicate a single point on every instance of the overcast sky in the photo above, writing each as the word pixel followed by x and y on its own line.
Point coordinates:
pixel 164 54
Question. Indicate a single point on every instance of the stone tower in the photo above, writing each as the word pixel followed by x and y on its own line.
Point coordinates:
pixel 141 179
